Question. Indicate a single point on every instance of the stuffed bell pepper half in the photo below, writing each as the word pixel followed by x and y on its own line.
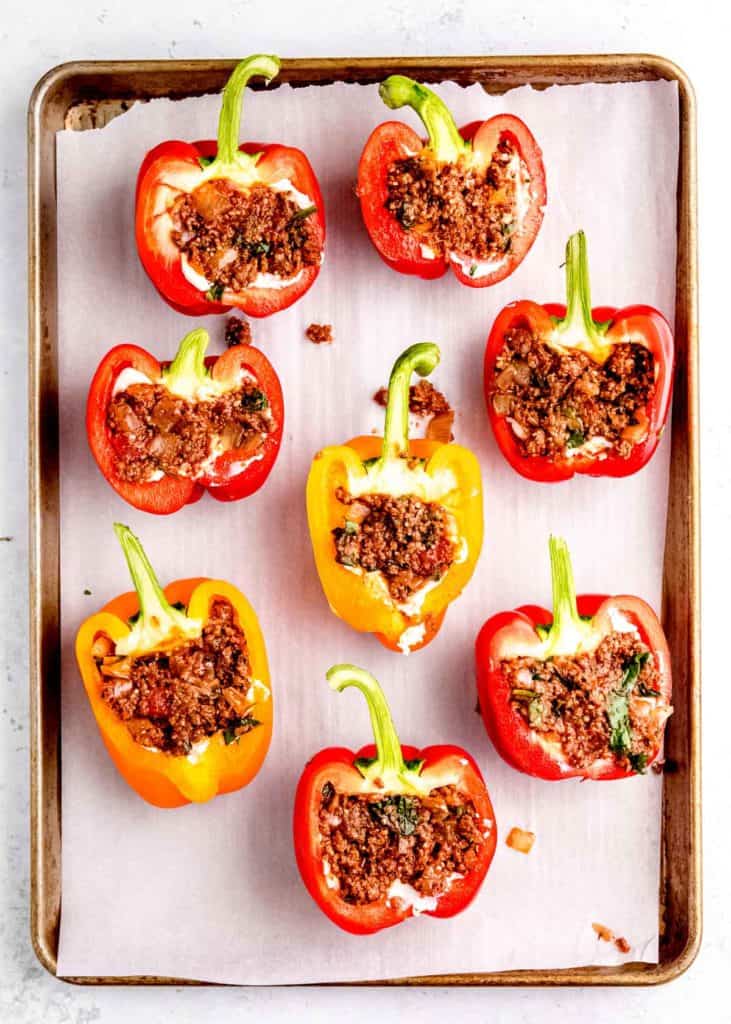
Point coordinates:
pixel 471 199
pixel 179 684
pixel 220 224
pixel 396 525
pixel 391 832
pixel 583 691
pixel 571 389
pixel 162 433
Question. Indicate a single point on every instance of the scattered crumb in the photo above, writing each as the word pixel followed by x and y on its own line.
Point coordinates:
pixel 478 709
pixel 607 935
pixel 87 592
pixel 6 539
pixel 426 401
pixel 520 840
pixel 320 334
pixel 238 331
pixel 658 767
pixel 440 426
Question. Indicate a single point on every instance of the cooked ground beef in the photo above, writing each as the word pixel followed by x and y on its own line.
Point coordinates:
pixel 230 234
pixel 424 399
pixel 405 539
pixel 369 842
pixel 154 431
pixel 238 331
pixel 172 699
pixel 319 334
pixel 557 401
pixel 592 703
pixel 457 207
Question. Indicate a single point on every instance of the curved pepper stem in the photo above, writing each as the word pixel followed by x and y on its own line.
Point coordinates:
pixel 569 632
pixel 158 622
pixel 578 329
pixel 388 771
pixel 444 138
pixel 420 358
pixel 229 121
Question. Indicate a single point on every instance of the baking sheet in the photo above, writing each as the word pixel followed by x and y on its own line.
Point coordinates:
pixel 212 892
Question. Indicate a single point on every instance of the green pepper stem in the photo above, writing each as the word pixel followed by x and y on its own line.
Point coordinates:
pixel 578 329
pixel 157 620
pixel 153 603
pixel 444 138
pixel 420 358
pixel 389 769
pixel 569 630
pixel 190 360
pixel 233 99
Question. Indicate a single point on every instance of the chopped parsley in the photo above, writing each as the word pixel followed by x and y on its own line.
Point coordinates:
pixel 351 527
pixel 215 292
pixel 638 762
pixel 205 161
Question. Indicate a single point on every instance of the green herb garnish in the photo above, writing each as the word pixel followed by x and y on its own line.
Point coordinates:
pixel 620 739
pixel 254 401
pixel 400 811
pixel 575 439
pixel 215 292
pixel 205 161
pixel 473 270
pixel 638 763
pixel 231 733
pixel 351 527
pixel 259 248
pixel 304 213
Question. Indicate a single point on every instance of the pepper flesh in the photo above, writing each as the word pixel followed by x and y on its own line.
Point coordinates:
pixel 386 768
pixel 162 779
pixel 234 474
pixel 175 167
pixel 477 142
pixel 577 624
pixel 446 473
pixel 594 332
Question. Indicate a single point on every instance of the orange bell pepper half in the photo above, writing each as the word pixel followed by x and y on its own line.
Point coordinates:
pixel 226 763
pixel 445 474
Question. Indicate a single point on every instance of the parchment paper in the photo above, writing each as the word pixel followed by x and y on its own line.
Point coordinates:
pixel 212 892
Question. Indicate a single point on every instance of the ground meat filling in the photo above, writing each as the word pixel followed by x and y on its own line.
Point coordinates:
pixel 424 399
pixel 596 705
pixel 172 699
pixel 154 431
pixel 369 842
pixel 458 207
pixel 230 235
pixel 405 539
pixel 557 402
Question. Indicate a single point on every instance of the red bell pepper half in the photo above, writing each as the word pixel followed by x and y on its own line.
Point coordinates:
pixel 446 144
pixel 594 332
pixel 175 167
pixel 235 473
pixel 396 775
pixel 576 626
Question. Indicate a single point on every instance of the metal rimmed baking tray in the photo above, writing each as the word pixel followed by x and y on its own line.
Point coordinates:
pixel 84 95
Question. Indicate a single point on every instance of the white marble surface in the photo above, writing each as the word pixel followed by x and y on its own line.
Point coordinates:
pixel 37 35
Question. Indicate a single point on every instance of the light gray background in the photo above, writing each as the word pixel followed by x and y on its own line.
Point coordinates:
pixel 36 36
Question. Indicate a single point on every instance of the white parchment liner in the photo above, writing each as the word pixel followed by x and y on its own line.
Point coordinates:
pixel 212 892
